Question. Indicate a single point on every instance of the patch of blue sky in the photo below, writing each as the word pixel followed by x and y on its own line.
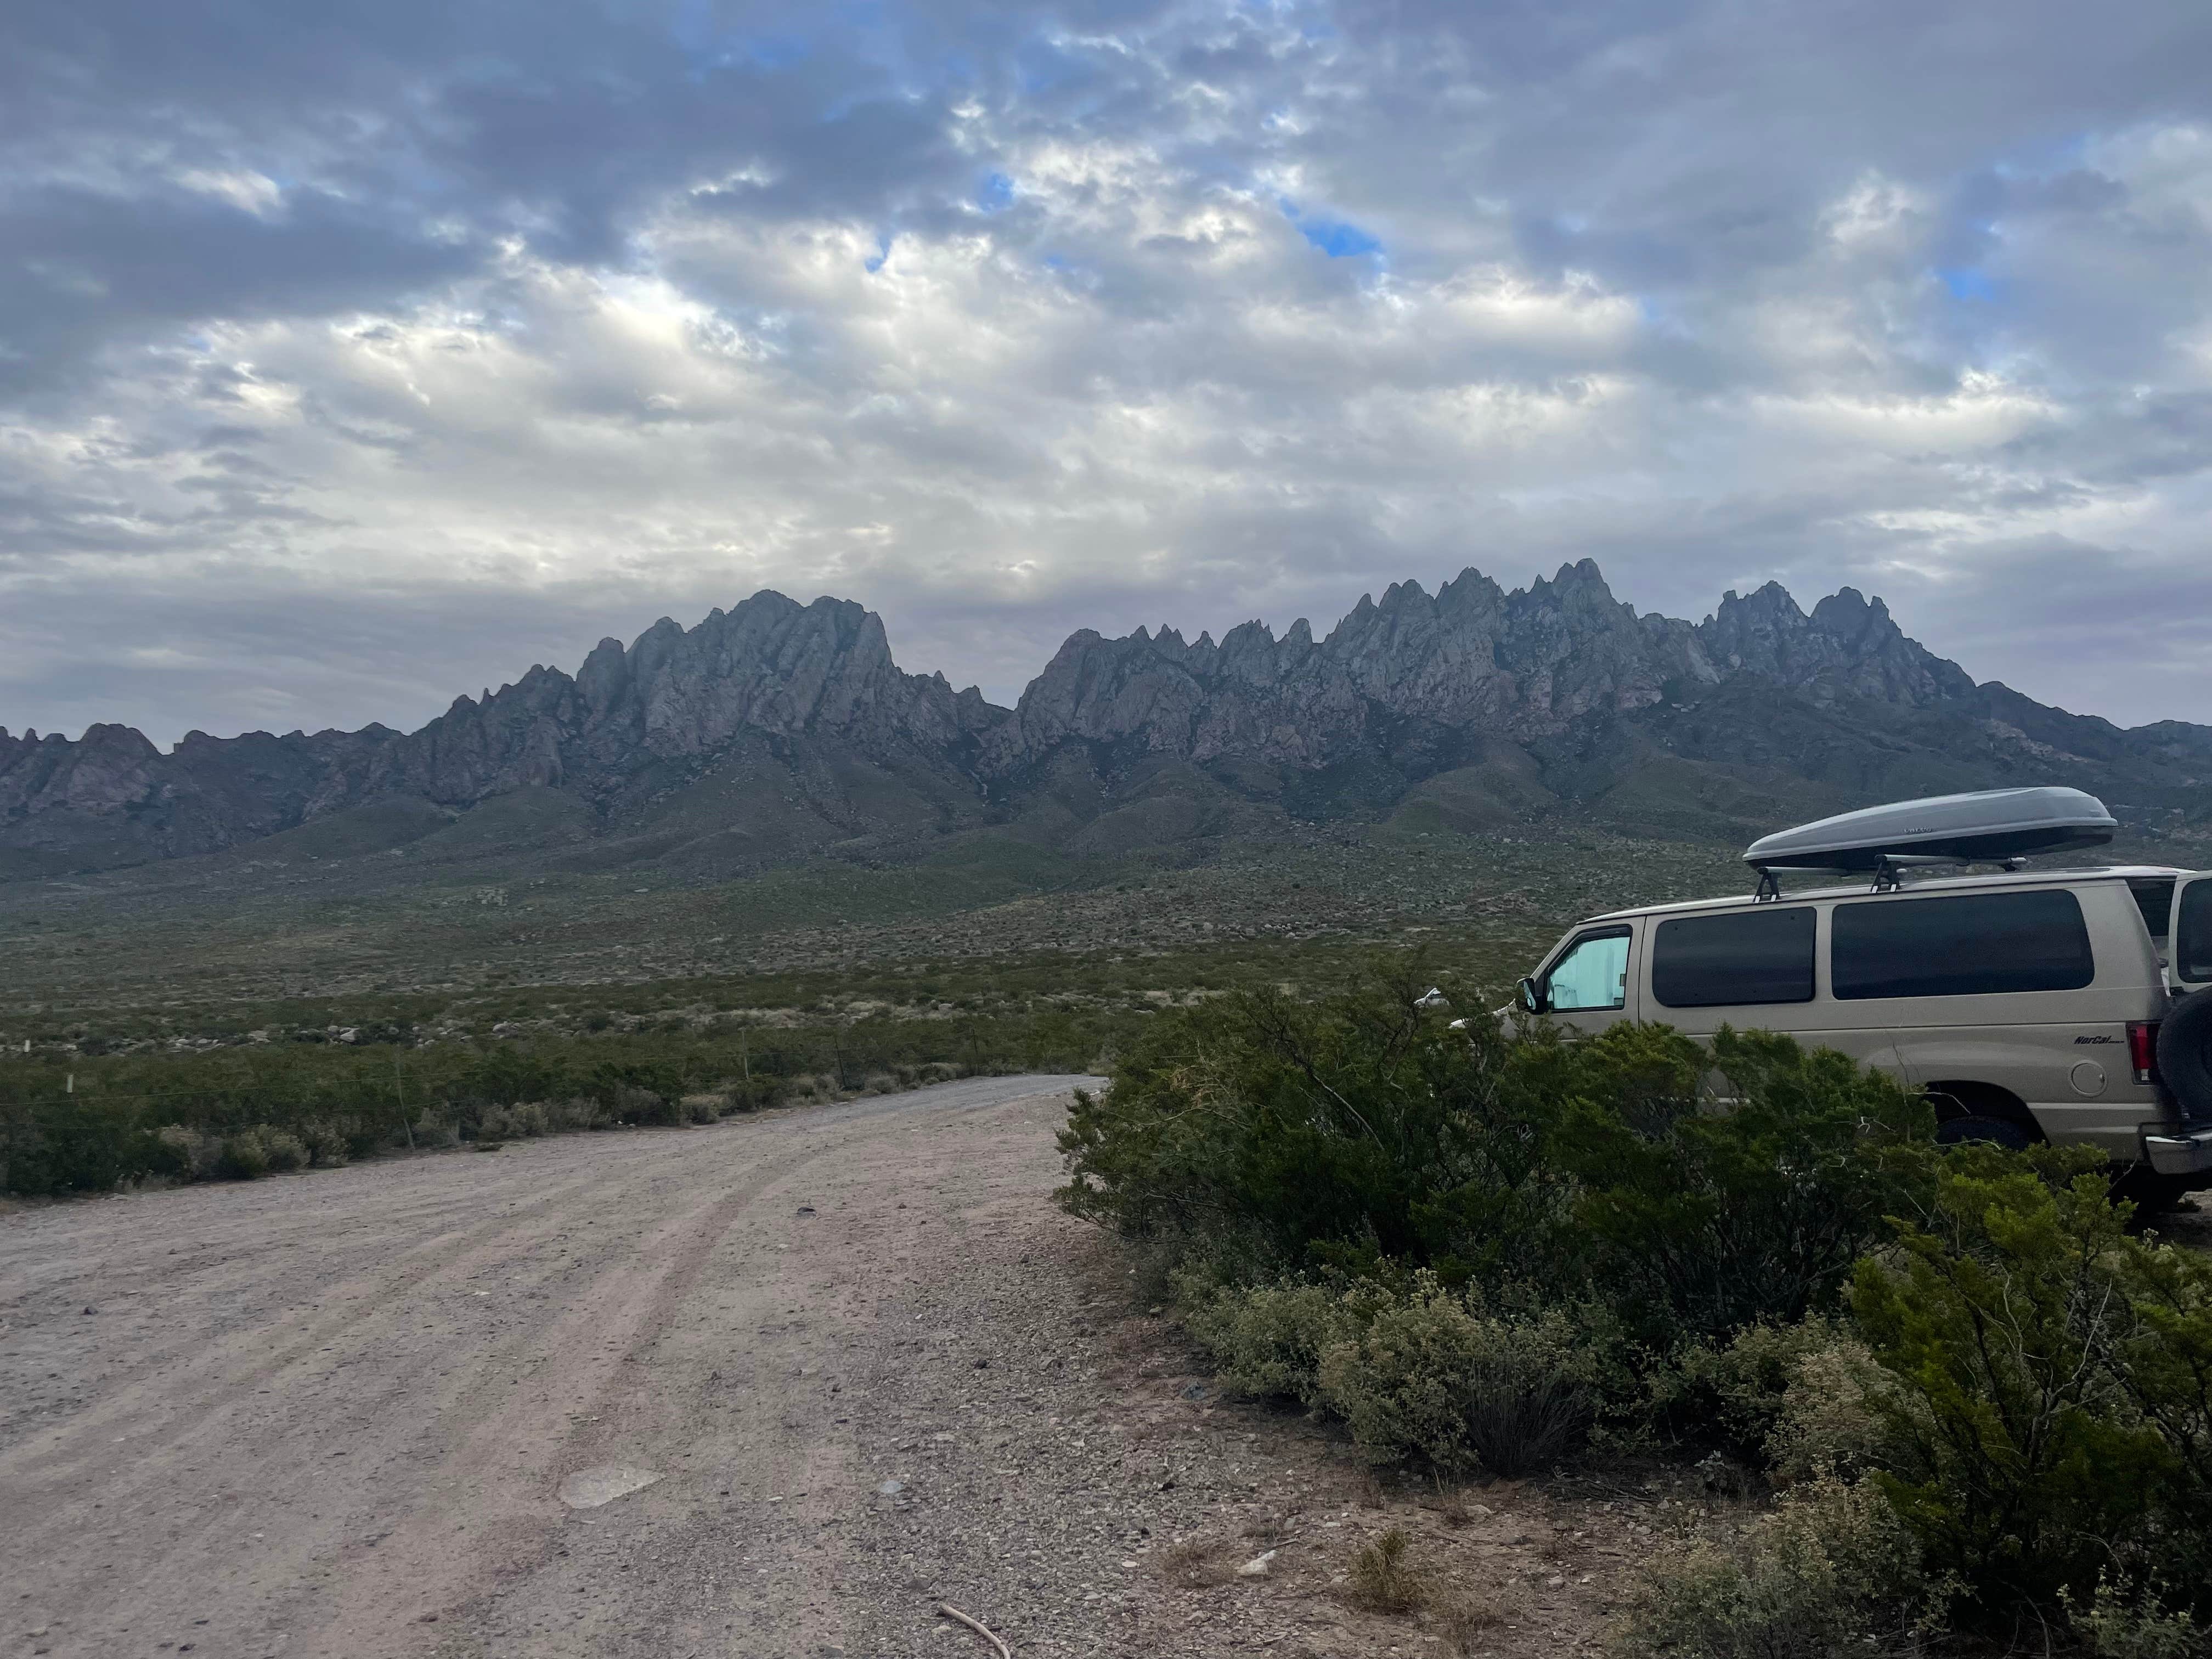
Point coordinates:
pixel 874 261
pixel 995 194
pixel 1965 283
pixel 1338 239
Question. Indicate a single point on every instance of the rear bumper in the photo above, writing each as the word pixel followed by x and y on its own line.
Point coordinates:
pixel 2185 1152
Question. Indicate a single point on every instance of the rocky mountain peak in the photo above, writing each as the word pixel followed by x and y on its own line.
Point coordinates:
pixel 1408 674
pixel 1850 646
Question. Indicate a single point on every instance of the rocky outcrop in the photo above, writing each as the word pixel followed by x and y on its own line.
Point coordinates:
pixel 1521 665
pixel 1470 666
pixel 674 697
pixel 1850 646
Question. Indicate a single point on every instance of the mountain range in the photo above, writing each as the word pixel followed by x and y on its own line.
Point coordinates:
pixel 775 733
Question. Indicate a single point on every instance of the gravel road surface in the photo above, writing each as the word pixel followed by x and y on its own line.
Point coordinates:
pixel 775 1387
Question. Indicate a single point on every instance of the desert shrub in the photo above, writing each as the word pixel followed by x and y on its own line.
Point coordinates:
pixel 1832 1421
pixel 77 1144
pixel 325 1143
pixel 632 1104
pixel 1430 1379
pixel 433 1131
pixel 1324 1134
pixel 1828 1574
pixel 1269 1339
pixel 2126 1622
pixel 1734 1395
pixel 522 1120
pixel 1700 1222
pixel 1628 1230
pixel 197 1156
pixel 245 1156
pixel 1364 1129
pixel 2051 1420
pixel 702 1107
pixel 1381 1579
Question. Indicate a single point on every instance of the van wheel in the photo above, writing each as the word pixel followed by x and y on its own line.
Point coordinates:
pixel 1988 1131
pixel 2185 1053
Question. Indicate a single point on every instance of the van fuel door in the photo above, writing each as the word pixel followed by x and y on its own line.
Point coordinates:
pixel 2189 937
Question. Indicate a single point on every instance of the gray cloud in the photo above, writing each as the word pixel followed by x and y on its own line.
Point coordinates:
pixel 354 356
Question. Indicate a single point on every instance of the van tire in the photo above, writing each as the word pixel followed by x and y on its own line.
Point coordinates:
pixel 2185 1053
pixel 1988 1131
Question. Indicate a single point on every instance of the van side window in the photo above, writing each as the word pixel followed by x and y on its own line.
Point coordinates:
pixel 2154 898
pixel 1593 974
pixel 1963 946
pixel 2192 946
pixel 1746 957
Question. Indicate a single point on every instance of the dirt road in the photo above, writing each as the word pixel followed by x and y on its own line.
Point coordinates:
pixel 825 1368
pixel 308 1415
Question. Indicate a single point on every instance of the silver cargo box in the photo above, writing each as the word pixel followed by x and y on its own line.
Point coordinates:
pixel 1982 827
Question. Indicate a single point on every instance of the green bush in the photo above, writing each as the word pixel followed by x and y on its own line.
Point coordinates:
pixel 1365 1130
pixel 2122 1625
pixel 105 1128
pixel 1337 1134
pixel 2050 1422
pixel 245 1156
pixel 1735 1394
pixel 1428 1379
pixel 327 1143
pixel 1828 1574
pixel 1700 1222
pixel 1269 1339
pixel 77 1144
pixel 260 1151
pixel 1832 1421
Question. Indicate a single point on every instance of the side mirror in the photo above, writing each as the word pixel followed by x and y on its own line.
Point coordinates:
pixel 1532 1000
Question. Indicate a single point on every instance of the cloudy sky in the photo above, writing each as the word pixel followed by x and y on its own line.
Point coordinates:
pixel 356 354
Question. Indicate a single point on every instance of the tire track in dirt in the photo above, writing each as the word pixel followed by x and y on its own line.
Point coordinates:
pixel 314 1411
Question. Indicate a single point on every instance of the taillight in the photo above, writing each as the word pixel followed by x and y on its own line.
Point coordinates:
pixel 2142 1050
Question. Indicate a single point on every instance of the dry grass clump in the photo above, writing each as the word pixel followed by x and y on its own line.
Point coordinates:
pixel 1197 1563
pixel 1462 1618
pixel 1383 1580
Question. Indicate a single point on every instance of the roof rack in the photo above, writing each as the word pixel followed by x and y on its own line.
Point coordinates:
pixel 1990 826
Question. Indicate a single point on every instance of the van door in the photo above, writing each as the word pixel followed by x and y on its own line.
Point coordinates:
pixel 1586 985
pixel 2189 938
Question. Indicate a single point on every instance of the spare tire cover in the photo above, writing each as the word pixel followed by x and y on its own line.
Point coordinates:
pixel 2185 1053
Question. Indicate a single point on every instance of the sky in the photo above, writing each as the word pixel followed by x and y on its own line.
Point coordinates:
pixel 354 355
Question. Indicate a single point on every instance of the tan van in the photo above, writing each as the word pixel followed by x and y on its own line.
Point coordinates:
pixel 2027 1006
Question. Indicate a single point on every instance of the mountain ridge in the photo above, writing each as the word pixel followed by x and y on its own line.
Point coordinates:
pixel 777 730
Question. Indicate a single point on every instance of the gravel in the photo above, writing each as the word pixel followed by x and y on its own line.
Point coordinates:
pixel 813 1374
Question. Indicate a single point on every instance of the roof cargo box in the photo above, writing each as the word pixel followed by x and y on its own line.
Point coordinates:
pixel 1983 828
